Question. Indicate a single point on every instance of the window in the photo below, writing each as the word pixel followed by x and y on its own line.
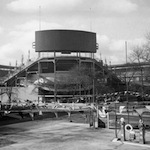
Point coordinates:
pixel 46 67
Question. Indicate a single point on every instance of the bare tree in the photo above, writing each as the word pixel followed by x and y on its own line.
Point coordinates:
pixel 78 78
pixel 12 94
pixel 141 54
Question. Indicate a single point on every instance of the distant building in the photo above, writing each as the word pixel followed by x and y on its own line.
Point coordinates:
pixel 134 73
pixel 5 71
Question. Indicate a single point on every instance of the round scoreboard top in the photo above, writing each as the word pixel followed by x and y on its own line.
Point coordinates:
pixel 65 41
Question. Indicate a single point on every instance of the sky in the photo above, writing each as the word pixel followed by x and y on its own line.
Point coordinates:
pixel 113 21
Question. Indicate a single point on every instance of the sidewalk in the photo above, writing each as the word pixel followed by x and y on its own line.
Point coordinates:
pixel 52 134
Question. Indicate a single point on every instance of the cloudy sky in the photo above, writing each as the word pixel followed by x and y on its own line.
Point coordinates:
pixel 114 21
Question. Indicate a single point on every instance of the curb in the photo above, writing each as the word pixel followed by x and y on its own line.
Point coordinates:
pixel 136 144
pixel 130 143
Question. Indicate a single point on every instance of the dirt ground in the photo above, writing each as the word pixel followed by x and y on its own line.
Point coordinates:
pixel 60 134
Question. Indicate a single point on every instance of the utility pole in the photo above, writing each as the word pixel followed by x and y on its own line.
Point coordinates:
pixel 39 54
pixel 39 17
pixel 127 88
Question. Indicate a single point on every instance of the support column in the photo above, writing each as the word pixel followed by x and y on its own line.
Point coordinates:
pixel 93 81
pixel 141 132
pixel 38 76
pixel 55 92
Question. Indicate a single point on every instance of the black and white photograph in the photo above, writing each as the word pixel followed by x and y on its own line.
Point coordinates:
pixel 74 74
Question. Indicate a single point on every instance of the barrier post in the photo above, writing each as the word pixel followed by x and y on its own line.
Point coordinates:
pixel 96 119
pixel 90 122
pixel 56 114
pixel 40 112
pixel 31 115
pixel 69 115
pixel 141 132
pixel 93 119
pixel 122 122
pixel 107 120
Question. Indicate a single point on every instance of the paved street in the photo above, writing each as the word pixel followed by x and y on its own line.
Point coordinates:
pixel 60 134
